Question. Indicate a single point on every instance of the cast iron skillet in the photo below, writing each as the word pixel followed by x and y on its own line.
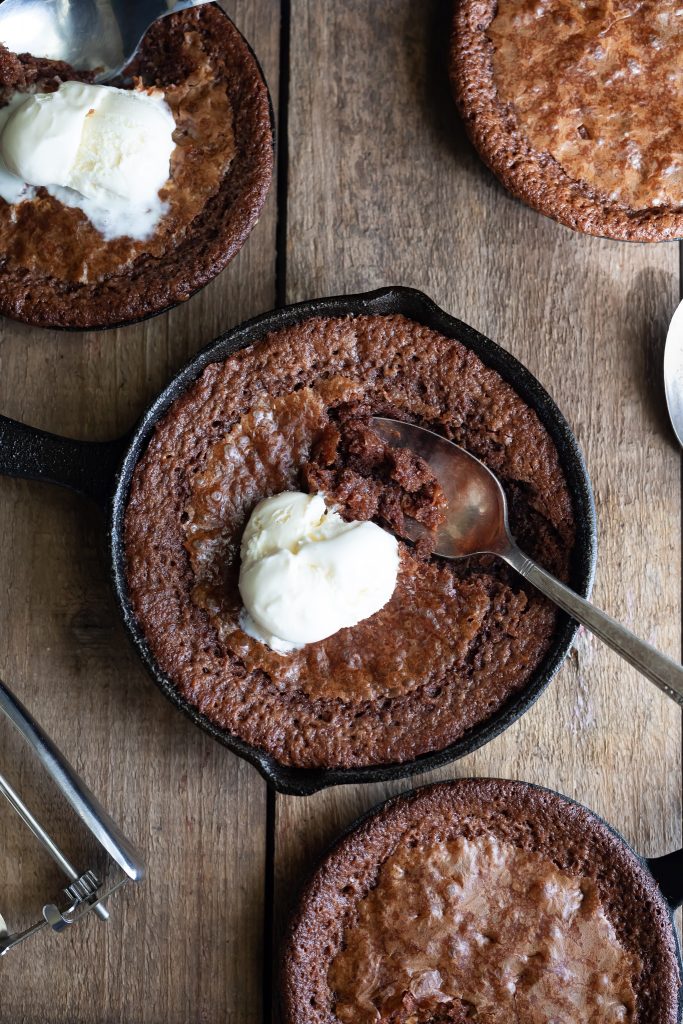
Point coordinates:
pixel 243 227
pixel 667 871
pixel 103 471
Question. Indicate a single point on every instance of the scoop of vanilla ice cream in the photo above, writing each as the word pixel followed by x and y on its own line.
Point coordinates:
pixel 103 142
pixel 125 148
pixel 42 134
pixel 306 573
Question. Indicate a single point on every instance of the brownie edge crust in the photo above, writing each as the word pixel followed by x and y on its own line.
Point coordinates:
pixel 570 837
pixel 529 174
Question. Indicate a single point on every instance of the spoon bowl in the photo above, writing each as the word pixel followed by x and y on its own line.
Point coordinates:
pixel 477 523
pixel 477 517
pixel 88 34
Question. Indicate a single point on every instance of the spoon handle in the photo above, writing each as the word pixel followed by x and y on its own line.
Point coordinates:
pixel 663 671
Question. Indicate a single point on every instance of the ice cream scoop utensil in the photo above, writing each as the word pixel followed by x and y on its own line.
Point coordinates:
pixel 84 891
pixel 43 837
pixel 89 34
pixel 477 523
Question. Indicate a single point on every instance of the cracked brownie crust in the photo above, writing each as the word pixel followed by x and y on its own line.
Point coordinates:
pixel 456 641
pixel 572 106
pixel 481 900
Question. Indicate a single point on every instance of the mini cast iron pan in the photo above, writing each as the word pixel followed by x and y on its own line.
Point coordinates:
pixel 236 206
pixel 324 886
pixel 102 471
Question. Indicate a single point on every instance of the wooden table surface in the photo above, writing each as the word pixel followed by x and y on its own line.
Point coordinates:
pixel 376 185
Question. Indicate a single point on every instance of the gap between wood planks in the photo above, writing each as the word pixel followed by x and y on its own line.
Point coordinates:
pixel 270 953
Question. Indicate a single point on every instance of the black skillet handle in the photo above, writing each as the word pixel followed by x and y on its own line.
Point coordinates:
pixel 84 466
pixel 668 873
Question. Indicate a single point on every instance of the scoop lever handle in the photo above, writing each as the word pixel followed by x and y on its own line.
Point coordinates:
pixel 72 787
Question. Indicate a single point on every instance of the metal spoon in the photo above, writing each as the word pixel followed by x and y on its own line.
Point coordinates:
pixel 86 33
pixel 477 523
pixel 673 371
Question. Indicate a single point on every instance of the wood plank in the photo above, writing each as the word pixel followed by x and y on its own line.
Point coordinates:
pixel 187 945
pixel 384 189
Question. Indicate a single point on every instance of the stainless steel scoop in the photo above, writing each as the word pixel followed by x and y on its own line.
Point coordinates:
pixel 477 523
pixel 84 892
pixel 88 34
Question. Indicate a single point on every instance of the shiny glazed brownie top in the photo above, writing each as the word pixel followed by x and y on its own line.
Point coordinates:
pixel 486 930
pixel 598 85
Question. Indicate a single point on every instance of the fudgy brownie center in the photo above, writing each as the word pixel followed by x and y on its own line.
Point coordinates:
pixel 315 437
pixel 369 479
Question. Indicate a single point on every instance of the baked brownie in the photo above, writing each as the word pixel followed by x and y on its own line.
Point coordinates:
pixel 58 270
pixel 571 107
pixel 365 478
pixel 456 641
pixel 481 900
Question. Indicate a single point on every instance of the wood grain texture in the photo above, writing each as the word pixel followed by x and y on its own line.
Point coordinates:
pixel 187 945
pixel 384 189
